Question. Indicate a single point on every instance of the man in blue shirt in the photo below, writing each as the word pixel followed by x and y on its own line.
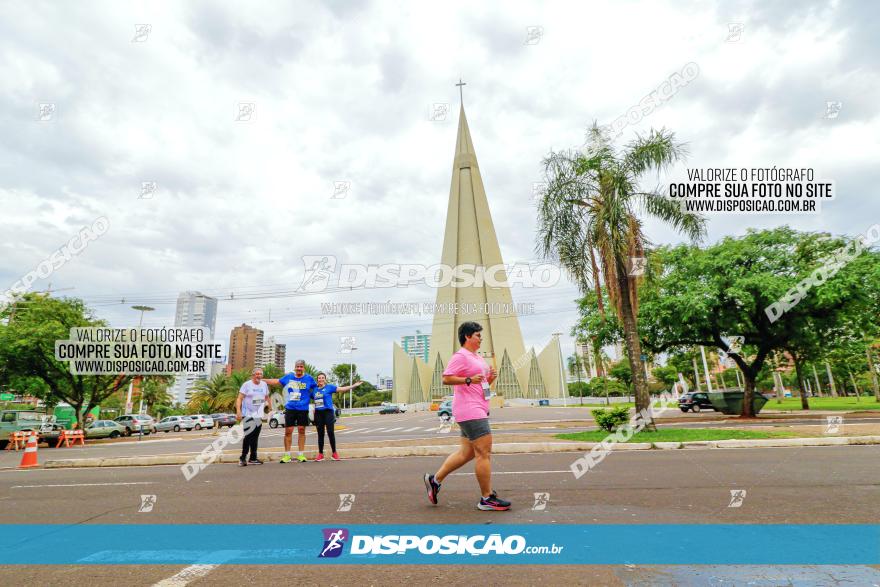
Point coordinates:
pixel 298 389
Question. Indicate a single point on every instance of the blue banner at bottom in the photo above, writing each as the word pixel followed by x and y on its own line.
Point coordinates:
pixel 651 544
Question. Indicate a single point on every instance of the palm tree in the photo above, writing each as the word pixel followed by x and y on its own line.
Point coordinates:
pixel 591 210
pixel 216 393
pixel 154 389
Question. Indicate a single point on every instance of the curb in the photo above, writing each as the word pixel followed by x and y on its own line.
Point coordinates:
pixel 501 448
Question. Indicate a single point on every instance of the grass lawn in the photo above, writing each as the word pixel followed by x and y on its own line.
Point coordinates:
pixel 680 435
pixel 825 403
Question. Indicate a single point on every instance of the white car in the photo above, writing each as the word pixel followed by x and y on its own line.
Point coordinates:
pixel 202 421
pixel 175 423
pixel 276 418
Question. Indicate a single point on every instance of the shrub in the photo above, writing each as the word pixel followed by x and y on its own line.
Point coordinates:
pixel 611 420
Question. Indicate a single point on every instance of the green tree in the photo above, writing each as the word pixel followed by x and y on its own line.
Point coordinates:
pixel 622 372
pixel 704 296
pixel 593 209
pixel 665 374
pixel 216 394
pixel 33 322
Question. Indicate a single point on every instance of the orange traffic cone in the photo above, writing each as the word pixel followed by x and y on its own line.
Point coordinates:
pixel 29 458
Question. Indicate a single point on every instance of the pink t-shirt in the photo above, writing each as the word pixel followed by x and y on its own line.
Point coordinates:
pixel 468 401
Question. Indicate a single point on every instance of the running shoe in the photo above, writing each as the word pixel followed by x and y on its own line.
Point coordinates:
pixel 301 458
pixel 320 457
pixel 493 502
pixel 335 456
pixel 285 459
pixel 241 462
pixel 255 462
pixel 433 488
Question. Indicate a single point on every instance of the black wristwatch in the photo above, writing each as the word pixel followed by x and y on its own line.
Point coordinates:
pixel 467 380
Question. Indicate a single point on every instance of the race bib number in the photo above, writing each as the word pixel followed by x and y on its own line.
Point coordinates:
pixel 294 395
pixel 486 391
pixel 319 400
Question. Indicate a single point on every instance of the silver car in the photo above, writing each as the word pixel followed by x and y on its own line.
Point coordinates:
pixel 175 423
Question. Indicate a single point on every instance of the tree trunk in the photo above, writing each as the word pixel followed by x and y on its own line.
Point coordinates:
pixel 633 346
pixel 855 386
pixel 873 373
pixel 749 393
pixel 777 383
pixel 805 404
pixel 830 380
pixel 696 375
pixel 818 385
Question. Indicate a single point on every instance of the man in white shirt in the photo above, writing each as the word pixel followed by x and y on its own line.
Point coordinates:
pixel 253 397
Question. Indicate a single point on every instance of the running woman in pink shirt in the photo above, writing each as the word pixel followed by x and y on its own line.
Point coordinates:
pixel 471 377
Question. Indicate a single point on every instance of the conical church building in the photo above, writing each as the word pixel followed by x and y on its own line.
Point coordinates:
pixel 470 240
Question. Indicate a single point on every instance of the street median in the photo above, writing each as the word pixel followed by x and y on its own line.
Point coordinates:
pixel 445 449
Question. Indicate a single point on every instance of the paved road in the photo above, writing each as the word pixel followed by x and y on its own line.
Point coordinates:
pixel 398 427
pixel 785 485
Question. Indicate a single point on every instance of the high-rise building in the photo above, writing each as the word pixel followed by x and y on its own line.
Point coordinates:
pixel 272 353
pixel 194 309
pixel 245 347
pixel 470 240
pixel 416 345
pixel 385 383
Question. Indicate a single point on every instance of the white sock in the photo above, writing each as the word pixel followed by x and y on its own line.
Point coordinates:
pixel 300 453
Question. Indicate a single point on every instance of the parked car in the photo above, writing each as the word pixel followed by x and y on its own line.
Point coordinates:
pixel 104 429
pixel 136 423
pixel 445 410
pixel 202 421
pixel 695 401
pixel 21 420
pixel 276 419
pixel 221 420
pixel 390 409
pixel 175 423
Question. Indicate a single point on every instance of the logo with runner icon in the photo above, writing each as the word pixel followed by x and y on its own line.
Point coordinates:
pixel 334 541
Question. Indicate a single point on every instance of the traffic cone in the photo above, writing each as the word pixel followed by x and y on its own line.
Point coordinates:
pixel 29 458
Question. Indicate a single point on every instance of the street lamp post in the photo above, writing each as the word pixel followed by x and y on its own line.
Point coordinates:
pixel 558 336
pixel 350 372
pixel 128 405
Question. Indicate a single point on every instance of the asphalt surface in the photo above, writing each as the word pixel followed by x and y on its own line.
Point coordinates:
pixel 833 485
pixel 418 426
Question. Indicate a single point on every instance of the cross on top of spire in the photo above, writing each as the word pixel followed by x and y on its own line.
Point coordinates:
pixel 460 85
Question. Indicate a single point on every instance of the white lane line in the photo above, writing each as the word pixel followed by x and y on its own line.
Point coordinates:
pixel 519 472
pixel 83 484
pixel 393 429
pixel 186 575
pixel 413 429
pixel 373 429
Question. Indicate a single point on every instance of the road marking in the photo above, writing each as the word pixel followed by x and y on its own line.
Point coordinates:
pixel 186 575
pixel 83 484
pixel 393 429
pixel 413 429
pixel 374 429
pixel 519 472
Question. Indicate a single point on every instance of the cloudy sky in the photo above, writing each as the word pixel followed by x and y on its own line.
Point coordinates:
pixel 348 92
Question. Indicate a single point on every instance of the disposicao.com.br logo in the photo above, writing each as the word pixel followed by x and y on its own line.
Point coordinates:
pixel 476 545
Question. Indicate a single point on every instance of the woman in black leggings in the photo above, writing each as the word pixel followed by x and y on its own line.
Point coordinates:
pixel 325 414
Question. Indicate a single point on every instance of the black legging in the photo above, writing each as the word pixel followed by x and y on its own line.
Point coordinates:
pixel 251 440
pixel 325 419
